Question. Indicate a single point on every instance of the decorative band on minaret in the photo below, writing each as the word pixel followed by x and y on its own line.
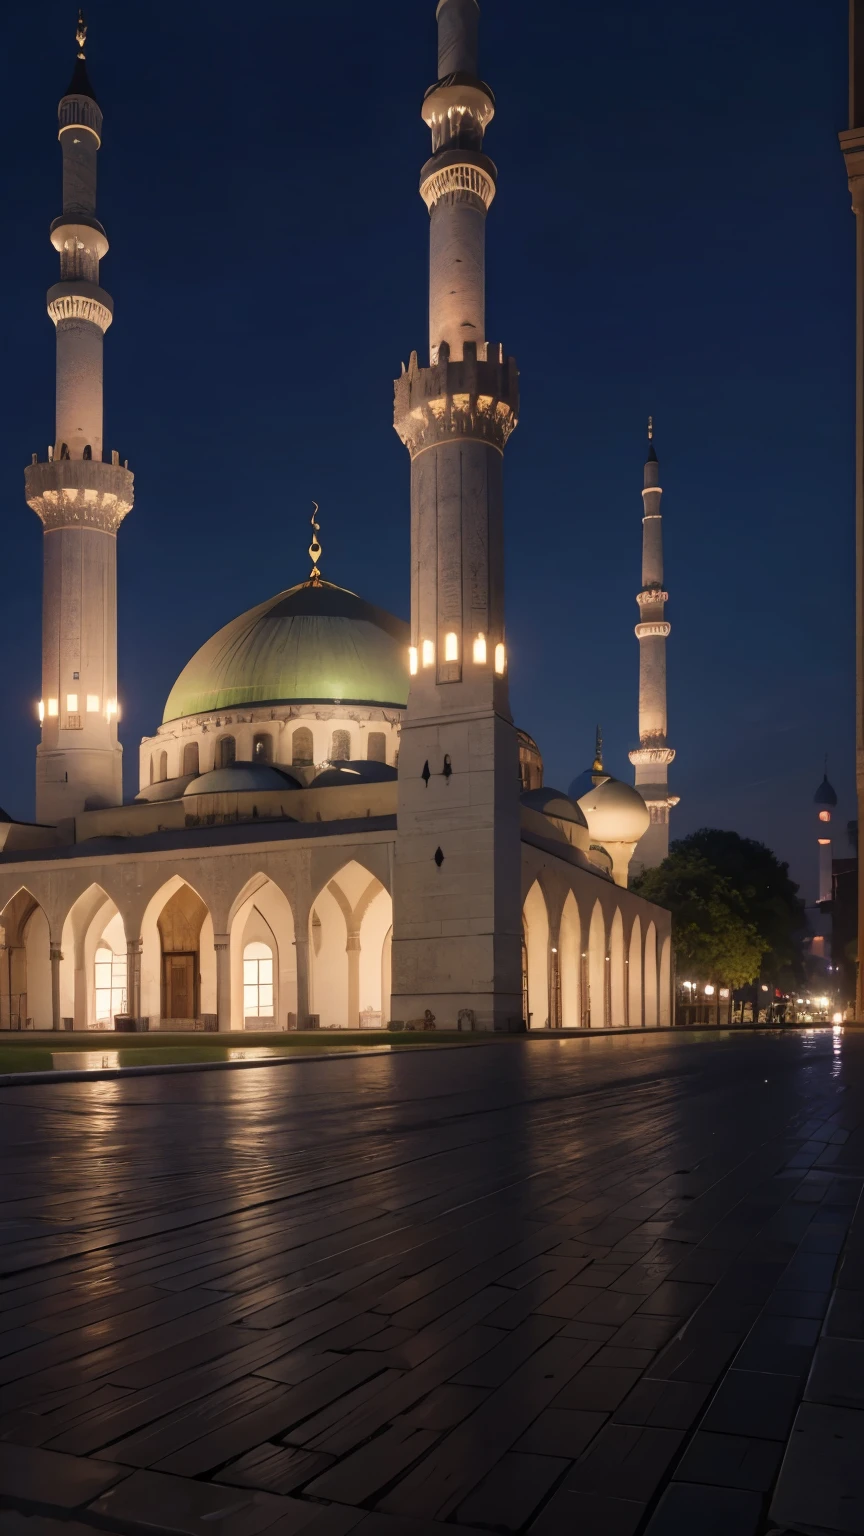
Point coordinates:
pixel 457 906
pixel 80 496
pixel 653 755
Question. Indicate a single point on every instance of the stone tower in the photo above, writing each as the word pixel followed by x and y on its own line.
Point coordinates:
pixel 81 498
pixel 653 756
pixel 457 927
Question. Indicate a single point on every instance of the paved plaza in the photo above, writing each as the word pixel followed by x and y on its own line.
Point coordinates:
pixel 592 1286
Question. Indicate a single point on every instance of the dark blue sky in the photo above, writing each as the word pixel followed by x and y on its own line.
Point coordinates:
pixel 672 234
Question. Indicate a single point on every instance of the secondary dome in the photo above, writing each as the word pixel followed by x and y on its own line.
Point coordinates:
pixel 241 776
pixel 314 644
pixel 554 803
pixel 616 812
pixel 361 772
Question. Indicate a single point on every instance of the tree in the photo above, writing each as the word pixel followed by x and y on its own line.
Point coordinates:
pixel 711 933
pixel 771 903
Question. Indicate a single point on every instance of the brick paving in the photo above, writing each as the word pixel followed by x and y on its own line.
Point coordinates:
pixel 603 1286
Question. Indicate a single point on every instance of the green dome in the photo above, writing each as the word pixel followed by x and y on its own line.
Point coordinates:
pixel 311 645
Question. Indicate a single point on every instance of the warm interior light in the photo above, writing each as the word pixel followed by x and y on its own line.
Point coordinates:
pixel 838 1018
pixel 824 842
pixel 500 659
pixel 412 660
pixel 53 707
pixel 92 703
pixel 480 651
pixel 724 991
pixel 110 708
pixel 709 991
pixel 428 653
pixel 72 703
pixel 824 815
pixel 40 710
pixel 451 647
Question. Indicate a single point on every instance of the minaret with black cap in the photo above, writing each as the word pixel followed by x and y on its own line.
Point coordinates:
pixel 653 755
pixel 81 495
pixel 457 930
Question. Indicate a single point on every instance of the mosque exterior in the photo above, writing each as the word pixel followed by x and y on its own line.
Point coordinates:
pixel 338 823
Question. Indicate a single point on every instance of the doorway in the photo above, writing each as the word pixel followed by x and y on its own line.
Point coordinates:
pixel 180 986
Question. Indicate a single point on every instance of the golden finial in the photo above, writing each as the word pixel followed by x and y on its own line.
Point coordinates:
pixel 81 34
pixel 315 548
pixel 598 753
pixel 650 429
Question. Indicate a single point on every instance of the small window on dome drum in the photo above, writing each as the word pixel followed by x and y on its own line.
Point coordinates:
pixel 262 748
pixel 226 752
pixel 376 747
pixel 163 767
pixel 190 757
pixel 340 748
pixel 301 747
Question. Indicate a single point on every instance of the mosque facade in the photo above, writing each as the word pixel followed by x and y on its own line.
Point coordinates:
pixel 338 823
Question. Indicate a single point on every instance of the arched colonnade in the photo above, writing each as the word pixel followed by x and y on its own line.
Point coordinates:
pixel 184 951
pixel 588 963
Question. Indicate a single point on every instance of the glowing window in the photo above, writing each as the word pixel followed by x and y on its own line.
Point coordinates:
pixel 824 842
pixel 824 815
pixel 53 708
pixel 40 709
pixel 451 648
pixel 258 982
pixel 428 653
pixel 110 978
pixel 72 703
pixel 92 703
pixel 110 707
pixel 262 748
pixel 500 659
pixel 412 660
pixel 480 651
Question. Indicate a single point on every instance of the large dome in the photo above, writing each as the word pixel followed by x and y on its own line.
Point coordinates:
pixel 314 644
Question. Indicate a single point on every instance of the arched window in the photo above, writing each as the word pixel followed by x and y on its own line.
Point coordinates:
pixel 190 757
pixel 163 767
pixel 110 976
pixel 340 747
pixel 262 748
pixel 258 1000
pixel 301 747
pixel 376 747
pixel 226 751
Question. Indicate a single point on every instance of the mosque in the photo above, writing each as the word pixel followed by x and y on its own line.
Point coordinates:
pixel 338 823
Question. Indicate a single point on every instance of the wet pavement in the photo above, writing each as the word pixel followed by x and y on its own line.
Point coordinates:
pixel 601 1287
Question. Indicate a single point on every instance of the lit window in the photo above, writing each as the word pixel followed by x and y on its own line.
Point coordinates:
pixel 110 708
pixel 480 651
pixel 92 703
pixel 451 648
pixel 428 653
pixel 72 703
pixel 500 659
pixel 258 982
pixel 412 660
pixel 40 710
pixel 824 815
pixel 110 984
pixel 53 708
pixel 824 842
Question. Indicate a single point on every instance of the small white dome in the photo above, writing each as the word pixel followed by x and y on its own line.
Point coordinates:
pixel 615 812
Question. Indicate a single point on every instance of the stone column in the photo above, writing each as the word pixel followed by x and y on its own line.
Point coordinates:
pixel 353 949
pixel 222 945
pixel 134 948
pixel 56 957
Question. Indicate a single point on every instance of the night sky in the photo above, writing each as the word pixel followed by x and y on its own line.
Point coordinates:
pixel 672 235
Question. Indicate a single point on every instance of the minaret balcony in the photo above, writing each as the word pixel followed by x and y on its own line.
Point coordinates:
pixel 458 110
pixel 78 299
pixel 79 493
pixel 459 172
pixel 473 397
pixel 657 629
pixel 79 230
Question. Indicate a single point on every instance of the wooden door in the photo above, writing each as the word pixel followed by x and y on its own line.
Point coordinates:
pixel 179 986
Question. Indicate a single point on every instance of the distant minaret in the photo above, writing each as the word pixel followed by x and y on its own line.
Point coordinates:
pixel 457 928
pixel 80 497
pixel 653 756
pixel 825 800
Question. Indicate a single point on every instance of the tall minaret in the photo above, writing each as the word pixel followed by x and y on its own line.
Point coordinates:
pixel 457 928
pixel 81 498
pixel 653 756
pixel 852 145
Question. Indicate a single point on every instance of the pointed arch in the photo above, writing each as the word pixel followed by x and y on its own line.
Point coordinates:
pixel 664 1011
pixel 617 977
pixel 569 960
pixel 178 960
pixel 535 926
pixel 26 982
pixel 597 969
pixel 651 977
pixel 634 977
pixel 350 920
pixel 93 922
pixel 262 914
